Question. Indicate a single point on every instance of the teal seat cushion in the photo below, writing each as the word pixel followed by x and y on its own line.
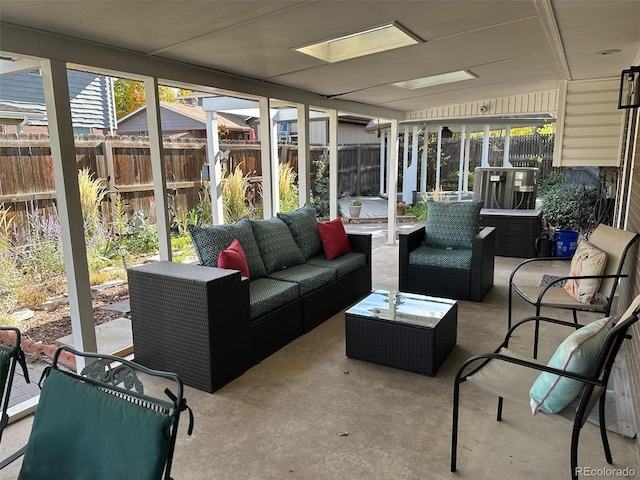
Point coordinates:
pixel 425 256
pixel 80 432
pixel 342 265
pixel 304 228
pixel 277 246
pixel 210 241
pixel 452 225
pixel 266 294
pixel 307 277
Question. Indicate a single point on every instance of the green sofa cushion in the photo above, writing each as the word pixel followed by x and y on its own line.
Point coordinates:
pixel 304 227
pixel 307 277
pixel 452 225
pixel 342 265
pixel 80 432
pixel 210 241
pixel 277 246
pixel 440 257
pixel 266 294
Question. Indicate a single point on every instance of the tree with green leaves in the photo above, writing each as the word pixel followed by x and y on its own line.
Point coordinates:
pixel 129 95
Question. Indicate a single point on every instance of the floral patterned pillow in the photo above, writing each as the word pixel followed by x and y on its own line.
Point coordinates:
pixel 587 260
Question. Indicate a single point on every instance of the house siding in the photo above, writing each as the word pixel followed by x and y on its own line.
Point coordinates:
pixel 589 124
pixel 529 103
pixel 171 122
pixel 630 287
pixel 91 97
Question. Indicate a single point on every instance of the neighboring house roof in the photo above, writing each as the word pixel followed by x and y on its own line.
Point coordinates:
pixel 13 114
pixel 194 113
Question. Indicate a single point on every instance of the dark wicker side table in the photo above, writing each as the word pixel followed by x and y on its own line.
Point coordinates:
pixel 191 320
pixel 402 330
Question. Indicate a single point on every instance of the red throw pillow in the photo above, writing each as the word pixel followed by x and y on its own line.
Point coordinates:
pixel 334 238
pixel 234 259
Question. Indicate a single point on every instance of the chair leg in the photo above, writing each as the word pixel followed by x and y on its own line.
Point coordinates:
pixel 575 316
pixel 577 425
pixel 603 429
pixel 454 428
pixel 499 413
pixel 510 305
pixel 536 333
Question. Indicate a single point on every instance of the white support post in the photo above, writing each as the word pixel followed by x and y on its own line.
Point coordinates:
pixel 467 152
pixel 158 171
pixel 485 147
pixel 425 160
pixel 65 171
pixel 304 156
pixel 405 163
pixel 383 163
pixel 407 194
pixel 275 163
pixel 438 155
pixel 215 168
pixel 333 164
pixel 266 138
pixel 394 139
pixel 388 164
pixel 507 147
pixel 461 172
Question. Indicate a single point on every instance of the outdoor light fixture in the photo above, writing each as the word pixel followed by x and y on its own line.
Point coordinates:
pixel 446 133
pixel 630 88
pixel 436 80
pixel 358 44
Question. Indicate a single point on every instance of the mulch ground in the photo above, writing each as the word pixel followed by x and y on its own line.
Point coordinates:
pixel 53 320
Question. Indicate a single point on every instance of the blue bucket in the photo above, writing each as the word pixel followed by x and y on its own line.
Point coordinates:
pixel 565 243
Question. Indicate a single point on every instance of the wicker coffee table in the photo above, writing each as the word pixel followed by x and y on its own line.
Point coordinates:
pixel 402 330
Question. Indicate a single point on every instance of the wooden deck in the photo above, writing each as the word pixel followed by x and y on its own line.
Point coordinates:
pixel 374 210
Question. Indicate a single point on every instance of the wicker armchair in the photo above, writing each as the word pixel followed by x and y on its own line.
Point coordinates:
pixel 462 271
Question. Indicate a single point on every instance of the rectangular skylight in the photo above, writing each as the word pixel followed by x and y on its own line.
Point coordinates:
pixel 436 80
pixel 359 44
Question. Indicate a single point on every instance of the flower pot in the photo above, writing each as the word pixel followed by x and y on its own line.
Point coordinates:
pixel 354 210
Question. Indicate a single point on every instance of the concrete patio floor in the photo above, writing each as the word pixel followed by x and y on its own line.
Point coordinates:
pixel 309 412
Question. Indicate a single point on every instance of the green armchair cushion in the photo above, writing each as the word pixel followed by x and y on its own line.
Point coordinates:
pixel 80 432
pixel 303 226
pixel 452 225
pixel 425 256
pixel 277 246
pixel 210 241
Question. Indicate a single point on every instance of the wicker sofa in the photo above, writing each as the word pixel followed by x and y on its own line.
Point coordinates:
pixel 291 288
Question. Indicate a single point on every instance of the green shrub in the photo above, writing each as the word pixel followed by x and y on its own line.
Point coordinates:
pixel 234 195
pixel 571 207
pixel 549 181
pixel 419 210
pixel 320 195
pixel 288 189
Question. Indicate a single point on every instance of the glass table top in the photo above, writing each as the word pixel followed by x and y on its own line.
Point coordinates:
pixel 401 307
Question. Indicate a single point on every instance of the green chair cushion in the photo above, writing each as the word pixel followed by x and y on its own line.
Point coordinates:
pixel 452 224
pixel 266 294
pixel 277 246
pixel 210 241
pixel 304 227
pixel 440 257
pixel 344 264
pixel 307 277
pixel 80 432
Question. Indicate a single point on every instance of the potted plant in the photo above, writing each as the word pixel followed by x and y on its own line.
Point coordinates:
pixel 354 208
pixel 401 208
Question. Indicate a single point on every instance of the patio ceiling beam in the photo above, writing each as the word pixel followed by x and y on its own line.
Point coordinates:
pixel 65 171
pixel 111 60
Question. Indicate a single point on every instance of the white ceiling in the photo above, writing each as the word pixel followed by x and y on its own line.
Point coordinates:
pixel 513 46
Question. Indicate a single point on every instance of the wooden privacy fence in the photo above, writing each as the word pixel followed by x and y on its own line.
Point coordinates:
pixel 124 163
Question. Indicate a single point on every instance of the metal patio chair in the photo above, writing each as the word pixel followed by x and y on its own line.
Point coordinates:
pixel 104 422
pixel 615 243
pixel 510 375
